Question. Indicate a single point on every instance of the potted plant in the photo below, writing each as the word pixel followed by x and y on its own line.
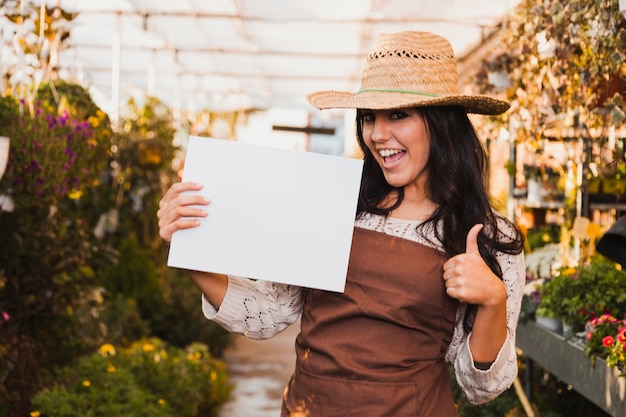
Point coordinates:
pixel 576 295
pixel 606 338
pixel 534 178
pixel 547 318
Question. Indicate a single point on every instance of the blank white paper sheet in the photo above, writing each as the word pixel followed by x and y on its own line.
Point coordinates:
pixel 277 215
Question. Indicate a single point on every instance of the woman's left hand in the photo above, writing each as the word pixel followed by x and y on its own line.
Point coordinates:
pixel 469 279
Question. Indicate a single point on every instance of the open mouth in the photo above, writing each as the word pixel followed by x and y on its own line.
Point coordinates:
pixel 390 155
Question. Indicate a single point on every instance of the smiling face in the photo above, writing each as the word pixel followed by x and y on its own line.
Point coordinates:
pixel 399 141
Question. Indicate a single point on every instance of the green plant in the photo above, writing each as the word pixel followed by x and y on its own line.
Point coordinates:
pixel 606 338
pixel 565 59
pixel 579 294
pixel 201 382
pixel 149 378
pixel 557 292
pixel 181 304
pixel 9 112
pixel 48 257
pixel 52 156
pixel 95 387
pixel 543 235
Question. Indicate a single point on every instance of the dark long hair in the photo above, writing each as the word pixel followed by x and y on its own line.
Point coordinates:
pixel 456 183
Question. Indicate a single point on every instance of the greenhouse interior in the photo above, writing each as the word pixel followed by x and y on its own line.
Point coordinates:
pixel 101 101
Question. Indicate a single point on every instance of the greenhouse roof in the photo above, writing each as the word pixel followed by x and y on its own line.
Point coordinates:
pixel 242 54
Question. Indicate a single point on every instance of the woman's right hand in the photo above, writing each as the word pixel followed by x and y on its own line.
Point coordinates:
pixel 178 209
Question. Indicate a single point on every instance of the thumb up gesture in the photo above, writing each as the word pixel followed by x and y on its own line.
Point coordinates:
pixel 469 279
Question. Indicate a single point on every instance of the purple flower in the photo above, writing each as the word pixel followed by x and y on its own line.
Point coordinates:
pixel 535 297
pixel 33 166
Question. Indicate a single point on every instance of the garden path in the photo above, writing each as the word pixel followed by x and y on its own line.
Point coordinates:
pixel 260 369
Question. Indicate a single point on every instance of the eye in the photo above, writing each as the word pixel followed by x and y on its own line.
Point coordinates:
pixel 368 117
pixel 398 115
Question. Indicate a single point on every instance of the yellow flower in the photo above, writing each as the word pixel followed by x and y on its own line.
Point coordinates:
pixel 86 383
pixel 35 414
pixel 94 121
pixel 161 401
pixel 147 347
pixel 107 350
pixel 75 194
pixel 110 369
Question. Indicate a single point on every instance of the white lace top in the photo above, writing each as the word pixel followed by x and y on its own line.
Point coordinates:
pixel 261 309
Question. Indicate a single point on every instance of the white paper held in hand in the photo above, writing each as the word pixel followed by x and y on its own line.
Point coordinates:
pixel 277 215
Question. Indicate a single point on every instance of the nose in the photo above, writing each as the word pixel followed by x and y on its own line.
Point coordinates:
pixel 380 130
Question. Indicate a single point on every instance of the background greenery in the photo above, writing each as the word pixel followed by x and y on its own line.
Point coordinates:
pixel 82 268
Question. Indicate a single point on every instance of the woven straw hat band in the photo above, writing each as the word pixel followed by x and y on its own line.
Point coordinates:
pixel 421 65
pixel 408 69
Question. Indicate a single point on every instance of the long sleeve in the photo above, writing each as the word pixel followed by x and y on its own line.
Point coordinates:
pixel 483 385
pixel 257 309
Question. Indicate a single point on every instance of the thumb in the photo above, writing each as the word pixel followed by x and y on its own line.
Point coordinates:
pixel 472 239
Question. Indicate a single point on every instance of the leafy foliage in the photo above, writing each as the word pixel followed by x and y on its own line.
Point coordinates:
pixel 565 59
pixel 137 381
pixel 580 294
pixel 48 257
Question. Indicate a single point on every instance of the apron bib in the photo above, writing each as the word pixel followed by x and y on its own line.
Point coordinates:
pixel 378 349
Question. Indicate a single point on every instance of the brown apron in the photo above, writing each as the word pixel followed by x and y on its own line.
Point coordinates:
pixel 378 349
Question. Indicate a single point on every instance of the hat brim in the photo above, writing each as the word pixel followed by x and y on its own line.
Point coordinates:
pixel 380 100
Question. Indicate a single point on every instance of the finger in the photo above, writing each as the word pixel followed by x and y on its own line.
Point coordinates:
pixel 472 239
pixel 168 230
pixel 183 206
pixel 177 219
pixel 179 210
pixel 177 189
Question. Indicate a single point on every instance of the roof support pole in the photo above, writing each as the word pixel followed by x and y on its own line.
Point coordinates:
pixel 152 75
pixel 115 72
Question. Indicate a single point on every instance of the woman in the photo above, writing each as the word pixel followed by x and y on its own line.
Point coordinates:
pixel 435 275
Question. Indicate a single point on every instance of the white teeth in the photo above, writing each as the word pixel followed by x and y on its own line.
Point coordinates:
pixel 388 152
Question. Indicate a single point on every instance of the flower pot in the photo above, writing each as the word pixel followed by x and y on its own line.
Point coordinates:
pixel 568 329
pixel 534 191
pixel 551 323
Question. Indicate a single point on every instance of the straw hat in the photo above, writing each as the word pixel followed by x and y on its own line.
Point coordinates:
pixel 409 69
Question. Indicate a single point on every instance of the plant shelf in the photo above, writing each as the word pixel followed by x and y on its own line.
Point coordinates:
pixel 566 360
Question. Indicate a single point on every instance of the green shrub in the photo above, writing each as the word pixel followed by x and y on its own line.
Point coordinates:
pixel 94 387
pixel 200 386
pixel 543 235
pixel 182 305
pixel 149 378
pixel 579 294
